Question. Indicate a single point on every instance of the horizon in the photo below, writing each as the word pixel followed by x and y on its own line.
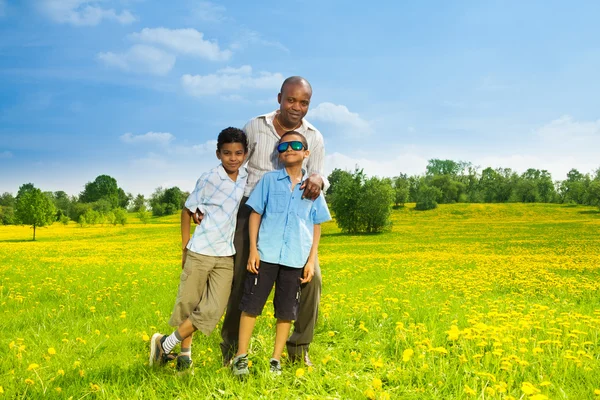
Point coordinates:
pixel 128 89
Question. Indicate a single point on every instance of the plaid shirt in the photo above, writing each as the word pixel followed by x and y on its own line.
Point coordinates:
pixel 218 198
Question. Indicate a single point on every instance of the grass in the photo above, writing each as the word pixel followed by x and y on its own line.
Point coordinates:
pixel 485 301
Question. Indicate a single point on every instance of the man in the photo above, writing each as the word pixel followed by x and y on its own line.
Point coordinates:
pixel 263 134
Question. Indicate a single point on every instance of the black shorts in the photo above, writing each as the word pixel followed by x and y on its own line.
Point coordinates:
pixel 287 290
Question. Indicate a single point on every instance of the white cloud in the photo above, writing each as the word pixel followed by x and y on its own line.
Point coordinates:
pixel 565 128
pixel 140 58
pixel 209 12
pixel 228 80
pixel 249 38
pixel 341 116
pixel 82 12
pixel 5 154
pixel 161 138
pixel 406 163
pixel 183 41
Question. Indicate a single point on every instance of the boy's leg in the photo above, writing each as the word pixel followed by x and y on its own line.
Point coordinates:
pixel 247 322
pixel 212 305
pixel 304 326
pixel 231 323
pixel 286 303
pixel 282 331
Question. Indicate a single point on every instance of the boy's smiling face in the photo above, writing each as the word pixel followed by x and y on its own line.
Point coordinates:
pixel 232 156
pixel 291 156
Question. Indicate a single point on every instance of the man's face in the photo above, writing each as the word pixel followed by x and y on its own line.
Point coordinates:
pixel 293 103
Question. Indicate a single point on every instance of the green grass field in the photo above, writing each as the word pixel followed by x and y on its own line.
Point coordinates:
pixel 495 301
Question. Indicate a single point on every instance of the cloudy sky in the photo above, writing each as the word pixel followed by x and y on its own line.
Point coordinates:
pixel 140 89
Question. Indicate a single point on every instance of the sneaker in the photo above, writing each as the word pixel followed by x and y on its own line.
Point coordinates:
pixel 275 366
pixel 239 365
pixel 303 358
pixel 157 354
pixel 184 364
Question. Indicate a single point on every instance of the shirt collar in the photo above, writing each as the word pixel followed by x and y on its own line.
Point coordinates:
pixel 243 173
pixel 270 116
pixel 283 174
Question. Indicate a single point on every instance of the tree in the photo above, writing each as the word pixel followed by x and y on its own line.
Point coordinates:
pixel 103 187
pixel 166 202
pixel 361 204
pixel 138 203
pixel 334 178
pixel 35 209
pixel 7 209
pixel 401 189
pixel 427 197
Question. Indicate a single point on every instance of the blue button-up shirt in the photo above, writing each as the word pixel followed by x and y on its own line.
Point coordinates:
pixel 286 229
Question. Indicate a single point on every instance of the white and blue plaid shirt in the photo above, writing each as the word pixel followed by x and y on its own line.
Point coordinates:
pixel 218 197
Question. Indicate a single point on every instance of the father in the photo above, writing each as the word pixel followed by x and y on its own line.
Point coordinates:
pixel 263 134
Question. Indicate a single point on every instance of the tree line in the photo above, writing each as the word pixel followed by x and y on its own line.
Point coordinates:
pixel 359 203
pixel 101 201
pixel 362 204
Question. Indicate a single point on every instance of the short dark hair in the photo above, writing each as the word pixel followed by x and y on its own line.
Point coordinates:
pixel 302 138
pixel 295 79
pixel 232 135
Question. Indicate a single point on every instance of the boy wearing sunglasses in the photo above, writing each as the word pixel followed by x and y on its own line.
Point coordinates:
pixel 284 233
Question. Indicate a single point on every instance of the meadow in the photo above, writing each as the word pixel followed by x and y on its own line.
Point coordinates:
pixel 468 301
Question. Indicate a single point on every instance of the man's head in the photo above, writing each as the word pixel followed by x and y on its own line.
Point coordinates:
pixel 292 148
pixel 293 99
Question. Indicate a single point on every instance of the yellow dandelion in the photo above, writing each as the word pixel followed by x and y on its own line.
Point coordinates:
pixel 469 391
pixel 97 331
pixel 453 333
pixel 94 387
pixel 81 373
pixel 377 384
pixel 61 372
pixel 249 363
pixel 370 394
pixel 384 396
pixel 407 355
pixel 76 364
pixel 529 389
pixel 1 390
pixel 51 351
pixel 331 333
pixel 597 392
pixel 29 381
pixel 145 338
pixel 299 372
pixel 124 330
pixel 32 367
pixel 58 389
pixel 538 397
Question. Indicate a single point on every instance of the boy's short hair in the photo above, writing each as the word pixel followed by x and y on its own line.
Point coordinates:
pixel 302 138
pixel 232 135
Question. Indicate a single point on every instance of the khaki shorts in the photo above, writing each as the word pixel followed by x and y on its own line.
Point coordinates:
pixel 204 288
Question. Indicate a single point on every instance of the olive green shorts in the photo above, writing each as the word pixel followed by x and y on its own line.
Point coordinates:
pixel 204 288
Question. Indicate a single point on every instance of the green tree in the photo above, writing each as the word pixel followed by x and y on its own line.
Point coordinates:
pixel 334 179
pixel 103 187
pixel 143 214
pixel 427 197
pixel 401 189
pixel 35 209
pixel 360 204
pixel 7 209
pixel 138 202
pixel 7 200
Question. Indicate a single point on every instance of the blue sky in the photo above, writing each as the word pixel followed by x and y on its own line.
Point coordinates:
pixel 139 90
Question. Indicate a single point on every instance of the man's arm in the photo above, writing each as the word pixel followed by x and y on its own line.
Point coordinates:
pixel 315 166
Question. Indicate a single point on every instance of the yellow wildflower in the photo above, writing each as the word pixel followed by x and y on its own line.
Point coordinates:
pixel 299 372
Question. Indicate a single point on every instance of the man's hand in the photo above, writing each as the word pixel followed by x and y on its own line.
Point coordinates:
pixel 312 187
pixel 309 272
pixel 253 262
pixel 197 217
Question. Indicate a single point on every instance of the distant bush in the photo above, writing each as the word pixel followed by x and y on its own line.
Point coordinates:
pixel 427 197
pixel 64 220
pixel 120 216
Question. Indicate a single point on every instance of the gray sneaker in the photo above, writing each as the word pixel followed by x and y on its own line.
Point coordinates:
pixel 275 366
pixel 184 364
pixel 157 354
pixel 239 366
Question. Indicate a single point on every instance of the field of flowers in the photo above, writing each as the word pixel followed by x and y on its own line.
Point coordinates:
pixel 494 301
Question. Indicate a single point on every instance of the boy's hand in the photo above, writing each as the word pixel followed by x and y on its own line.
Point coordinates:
pixel 183 256
pixel 312 187
pixel 309 272
pixel 253 262
pixel 197 217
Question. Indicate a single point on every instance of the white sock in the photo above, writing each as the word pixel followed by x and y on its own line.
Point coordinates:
pixel 173 340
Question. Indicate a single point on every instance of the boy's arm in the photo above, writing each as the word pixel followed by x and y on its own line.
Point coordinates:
pixel 309 268
pixel 185 233
pixel 254 257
